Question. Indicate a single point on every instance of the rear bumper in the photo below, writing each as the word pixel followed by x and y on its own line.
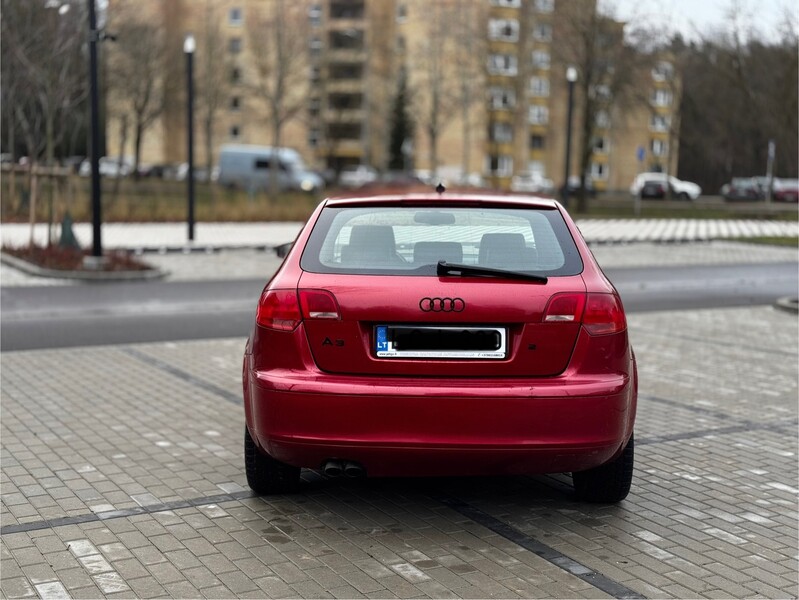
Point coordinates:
pixel 402 427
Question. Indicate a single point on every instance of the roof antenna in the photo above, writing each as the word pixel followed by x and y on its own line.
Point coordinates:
pixel 440 189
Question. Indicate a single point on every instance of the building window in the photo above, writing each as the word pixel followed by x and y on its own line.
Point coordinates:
pixel 349 39
pixel 502 64
pixel 601 92
pixel 601 145
pixel 347 10
pixel 234 45
pixel 500 165
pixel 599 171
pixel 235 132
pixel 541 59
pixel 602 119
pixel 544 6
pixel 315 45
pixel 313 107
pixel 542 32
pixel 539 115
pixel 539 87
pixel 508 3
pixel 235 75
pixel 501 132
pixel 402 12
pixel 663 71
pixel 537 142
pixel 502 98
pixel 659 148
pixel 401 43
pixel 235 103
pixel 662 98
pixel 315 15
pixel 344 131
pixel 313 138
pixel 234 17
pixel 315 73
pixel 506 30
pixel 659 123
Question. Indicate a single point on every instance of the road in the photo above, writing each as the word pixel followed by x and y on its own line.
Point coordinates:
pixel 90 315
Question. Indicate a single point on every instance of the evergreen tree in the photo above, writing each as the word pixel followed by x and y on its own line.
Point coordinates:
pixel 401 126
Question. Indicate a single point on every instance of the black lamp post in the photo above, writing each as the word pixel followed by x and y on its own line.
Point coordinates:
pixel 571 77
pixel 94 100
pixel 188 48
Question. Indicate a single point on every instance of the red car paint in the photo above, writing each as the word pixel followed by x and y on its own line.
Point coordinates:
pixel 564 399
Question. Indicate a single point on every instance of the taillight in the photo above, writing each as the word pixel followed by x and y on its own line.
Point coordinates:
pixel 284 309
pixel 600 314
pixel 278 309
pixel 319 304
pixel 565 307
pixel 603 314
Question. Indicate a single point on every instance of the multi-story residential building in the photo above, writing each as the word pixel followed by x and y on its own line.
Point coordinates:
pixel 502 117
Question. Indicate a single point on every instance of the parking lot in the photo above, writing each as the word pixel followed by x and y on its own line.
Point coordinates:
pixel 122 475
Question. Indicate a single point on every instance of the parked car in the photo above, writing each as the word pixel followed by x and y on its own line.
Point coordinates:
pixel 680 190
pixel 109 166
pixel 743 188
pixel 656 190
pixel 249 167
pixel 357 175
pixel 574 186
pixel 786 190
pixel 440 334
pixel 532 183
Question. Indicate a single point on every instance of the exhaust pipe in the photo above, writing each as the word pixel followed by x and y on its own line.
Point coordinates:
pixel 333 468
pixel 354 470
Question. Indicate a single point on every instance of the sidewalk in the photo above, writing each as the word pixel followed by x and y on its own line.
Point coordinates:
pixel 173 236
pixel 226 251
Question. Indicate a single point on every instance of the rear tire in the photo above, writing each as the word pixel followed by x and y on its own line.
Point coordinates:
pixel 265 475
pixel 684 196
pixel 607 483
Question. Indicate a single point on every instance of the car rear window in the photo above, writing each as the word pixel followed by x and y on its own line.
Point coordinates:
pixel 410 240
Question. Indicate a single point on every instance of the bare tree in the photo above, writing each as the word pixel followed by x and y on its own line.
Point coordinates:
pixel 279 47
pixel 135 72
pixel 434 91
pixel 609 69
pixel 470 25
pixel 42 78
pixel 212 77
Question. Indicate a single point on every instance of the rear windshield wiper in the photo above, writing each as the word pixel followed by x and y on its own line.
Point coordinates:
pixel 445 268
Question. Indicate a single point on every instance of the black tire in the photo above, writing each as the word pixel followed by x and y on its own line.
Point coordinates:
pixel 608 483
pixel 684 196
pixel 265 475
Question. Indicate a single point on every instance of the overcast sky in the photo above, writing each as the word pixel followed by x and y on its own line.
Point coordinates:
pixel 698 18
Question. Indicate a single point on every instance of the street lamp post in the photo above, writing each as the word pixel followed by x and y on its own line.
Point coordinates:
pixel 188 48
pixel 571 77
pixel 94 37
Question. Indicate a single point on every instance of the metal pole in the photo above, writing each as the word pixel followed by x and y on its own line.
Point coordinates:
pixel 571 77
pixel 188 48
pixel 97 244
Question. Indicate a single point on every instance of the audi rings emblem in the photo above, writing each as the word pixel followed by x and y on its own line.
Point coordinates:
pixel 442 304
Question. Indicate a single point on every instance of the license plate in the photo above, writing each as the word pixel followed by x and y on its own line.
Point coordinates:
pixel 424 341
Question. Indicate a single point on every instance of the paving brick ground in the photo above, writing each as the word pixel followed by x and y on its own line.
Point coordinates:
pixel 122 476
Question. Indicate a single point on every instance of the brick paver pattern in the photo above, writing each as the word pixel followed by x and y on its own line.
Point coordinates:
pixel 90 431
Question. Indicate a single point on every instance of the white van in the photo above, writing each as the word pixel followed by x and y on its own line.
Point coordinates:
pixel 249 167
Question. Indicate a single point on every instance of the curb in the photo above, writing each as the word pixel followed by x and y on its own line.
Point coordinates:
pixel 790 305
pixel 31 269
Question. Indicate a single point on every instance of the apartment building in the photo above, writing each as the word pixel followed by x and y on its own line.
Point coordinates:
pixel 495 70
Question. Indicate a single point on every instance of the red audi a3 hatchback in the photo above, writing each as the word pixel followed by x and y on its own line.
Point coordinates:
pixel 440 334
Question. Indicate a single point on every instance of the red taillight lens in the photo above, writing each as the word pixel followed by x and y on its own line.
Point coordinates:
pixel 600 314
pixel 278 309
pixel 319 304
pixel 565 308
pixel 604 315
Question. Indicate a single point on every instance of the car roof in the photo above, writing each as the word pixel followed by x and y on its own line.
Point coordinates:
pixel 456 198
